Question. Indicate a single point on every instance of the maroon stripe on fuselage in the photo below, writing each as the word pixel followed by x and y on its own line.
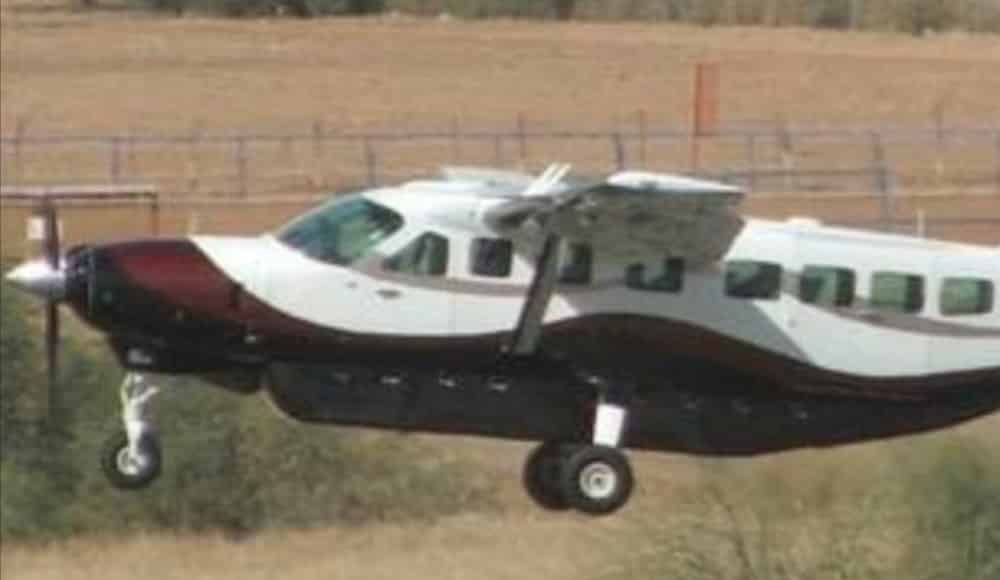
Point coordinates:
pixel 179 276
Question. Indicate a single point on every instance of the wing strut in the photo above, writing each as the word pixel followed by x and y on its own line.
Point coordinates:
pixel 528 332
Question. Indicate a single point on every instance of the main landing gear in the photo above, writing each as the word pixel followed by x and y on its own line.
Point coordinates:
pixel 595 479
pixel 132 458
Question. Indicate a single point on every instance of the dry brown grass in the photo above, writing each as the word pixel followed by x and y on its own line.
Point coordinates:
pixel 100 72
pixel 502 547
pixel 661 525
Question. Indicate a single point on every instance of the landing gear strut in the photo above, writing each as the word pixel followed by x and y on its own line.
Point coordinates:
pixel 132 458
pixel 595 479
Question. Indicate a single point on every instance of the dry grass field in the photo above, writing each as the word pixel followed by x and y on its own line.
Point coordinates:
pixel 825 523
pixel 68 72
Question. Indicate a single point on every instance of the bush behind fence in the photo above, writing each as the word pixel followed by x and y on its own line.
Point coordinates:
pixel 911 16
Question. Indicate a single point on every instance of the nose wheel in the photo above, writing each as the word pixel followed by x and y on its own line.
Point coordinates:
pixel 126 468
pixel 133 458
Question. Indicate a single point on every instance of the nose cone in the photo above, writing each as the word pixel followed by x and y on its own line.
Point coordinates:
pixel 39 278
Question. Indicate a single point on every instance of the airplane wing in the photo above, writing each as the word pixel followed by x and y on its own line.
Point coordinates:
pixel 630 213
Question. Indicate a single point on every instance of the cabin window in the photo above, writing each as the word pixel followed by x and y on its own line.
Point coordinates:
pixel 827 286
pixel 342 231
pixel 668 278
pixel 753 280
pixel 492 257
pixel 897 292
pixel 578 266
pixel 425 256
pixel 966 296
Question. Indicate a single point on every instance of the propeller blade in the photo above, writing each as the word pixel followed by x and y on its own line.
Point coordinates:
pixel 52 352
pixel 50 250
pixel 51 243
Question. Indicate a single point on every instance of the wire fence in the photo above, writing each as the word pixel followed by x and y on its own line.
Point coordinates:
pixel 764 157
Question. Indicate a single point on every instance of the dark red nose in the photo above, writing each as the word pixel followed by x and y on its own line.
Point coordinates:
pixel 154 288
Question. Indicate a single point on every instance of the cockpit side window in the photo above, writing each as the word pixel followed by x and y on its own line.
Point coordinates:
pixel 342 231
pixel 425 256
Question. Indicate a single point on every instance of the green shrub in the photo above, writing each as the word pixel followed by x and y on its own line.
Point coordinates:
pixel 230 462
pixel 255 8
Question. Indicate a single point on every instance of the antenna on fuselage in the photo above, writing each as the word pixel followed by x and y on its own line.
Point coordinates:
pixel 549 179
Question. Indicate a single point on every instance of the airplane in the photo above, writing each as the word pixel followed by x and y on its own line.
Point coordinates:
pixel 639 311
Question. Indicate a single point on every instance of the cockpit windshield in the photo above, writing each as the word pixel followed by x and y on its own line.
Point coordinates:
pixel 341 231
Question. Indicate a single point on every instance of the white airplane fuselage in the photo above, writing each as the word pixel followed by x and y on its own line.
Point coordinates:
pixel 820 336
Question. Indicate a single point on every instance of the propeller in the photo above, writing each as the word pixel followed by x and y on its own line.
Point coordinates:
pixel 45 278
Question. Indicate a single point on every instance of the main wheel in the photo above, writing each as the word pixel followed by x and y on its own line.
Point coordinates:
pixel 125 471
pixel 542 476
pixel 596 480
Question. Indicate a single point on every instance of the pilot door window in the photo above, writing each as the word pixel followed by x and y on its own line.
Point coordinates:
pixel 491 257
pixel 425 256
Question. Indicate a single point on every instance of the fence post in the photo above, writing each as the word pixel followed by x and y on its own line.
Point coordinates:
pixel 130 153
pixel 996 140
pixel 642 137
pixel 618 146
pixel 883 182
pixel 371 163
pixel 154 213
pixel 940 135
pixel 194 159
pixel 751 151
pixel 787 145
pixel 19 130
pixel 522 138
pixel 319 152
pixel 498 150
pixel 241 164
pixel 456 140
pixel 115 161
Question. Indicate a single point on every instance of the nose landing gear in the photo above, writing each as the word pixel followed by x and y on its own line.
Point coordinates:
pixel 132 458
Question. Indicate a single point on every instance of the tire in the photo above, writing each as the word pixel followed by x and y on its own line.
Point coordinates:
pixel 597 480
pixel 542 476
pixel 130 476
